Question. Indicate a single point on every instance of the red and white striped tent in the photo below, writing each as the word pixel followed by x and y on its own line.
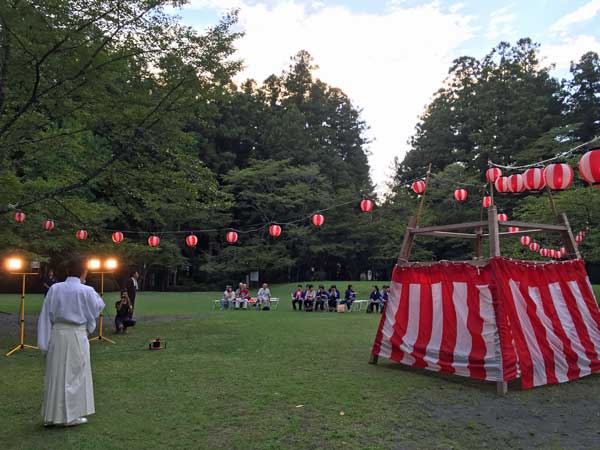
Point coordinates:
pixel 499 322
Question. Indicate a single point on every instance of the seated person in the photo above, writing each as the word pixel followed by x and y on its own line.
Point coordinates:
pixel 242 294
pixel 334 298
pixel 309 298
pixel 349 297
pixel 321 298
pixel 124 311
pixel 375 300
pixel 263 298
pixel 228 298
pixel 298 298
pixel 385 296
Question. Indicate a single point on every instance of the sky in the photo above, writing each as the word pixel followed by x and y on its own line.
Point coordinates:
pixel 390 56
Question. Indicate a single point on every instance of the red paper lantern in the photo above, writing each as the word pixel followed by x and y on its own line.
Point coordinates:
pixel 502 217
pixel 516 184
pixel 502 185
pixel 419 187
pixel 581 233
pixel 153 241
pixel 534 179
pixel 460 195
pixel 365 206
pixel 544 252
pixel 513 229
pixel 231 237
pixel 486 202
pixel 525 241
pixel 20 216
pixel 275 230
pixel 318 220
pixel 81 235
pixel 579 239
pixel 558 176
pixel 563 252
pixel 589 166
pixel 534 247
pixel 117 237
pixel 191 241
pixel 48 225
pixel 493 174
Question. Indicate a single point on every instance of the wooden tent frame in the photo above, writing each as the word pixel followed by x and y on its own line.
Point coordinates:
pixel 493 233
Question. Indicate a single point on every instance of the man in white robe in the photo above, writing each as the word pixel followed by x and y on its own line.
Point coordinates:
pixel 68 315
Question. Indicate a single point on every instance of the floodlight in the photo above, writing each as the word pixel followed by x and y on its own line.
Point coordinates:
pixel 110 264
pixel 14 264
pixel 94 264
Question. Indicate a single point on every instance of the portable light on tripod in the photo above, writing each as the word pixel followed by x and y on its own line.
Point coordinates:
pixel 15 266
pixel 96 266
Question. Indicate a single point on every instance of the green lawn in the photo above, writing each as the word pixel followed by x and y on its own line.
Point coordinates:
pixel 279 380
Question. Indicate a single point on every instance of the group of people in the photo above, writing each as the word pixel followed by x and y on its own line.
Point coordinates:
pixel 240 298
pixel 323 299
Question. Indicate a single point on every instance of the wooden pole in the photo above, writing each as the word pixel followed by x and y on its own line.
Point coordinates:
pixel 552 204
pixel 406 248
pixel 568 237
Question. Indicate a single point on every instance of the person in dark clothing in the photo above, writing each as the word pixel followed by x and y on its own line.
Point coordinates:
pixel 321 298
pixel 124 312
pixel 309 298
pixel 334 297
pixel 375 300
pixel 48 281
pixel 132 288
pixel 349 297
pixel 298 298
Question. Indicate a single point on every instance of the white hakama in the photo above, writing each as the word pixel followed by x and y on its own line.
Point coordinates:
pixel 68 314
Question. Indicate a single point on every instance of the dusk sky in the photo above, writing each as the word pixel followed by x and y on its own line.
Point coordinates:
pixel 391 56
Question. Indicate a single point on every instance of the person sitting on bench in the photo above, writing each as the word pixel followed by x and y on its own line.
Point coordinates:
pixel 263 298
pixel 242 294
pixel 297 298
pixel 321 299
pixel 334 298
pixel 309 298
pixel 375 300
pixel 228 298
pixel 349 297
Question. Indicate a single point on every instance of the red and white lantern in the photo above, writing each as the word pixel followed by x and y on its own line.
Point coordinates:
pixel 153 241
pixel 558 176
pixel 493 174
pixel 231 237
pixel 48 225
pixel 191 241
pixel 460 195
pixel 563 252
pixel 544 252
pixel 365 206
pixel 275 230
pixel 20 216
pixel 486 202
pixel 318 220
pixel 579 238
pixel 502 217
pixel 502 185
pixel 534 247
pixel 419 187
pixel 525 241
pixel 117 237
pixel 81 235
pixel 516 184
pixel 513 229
pixel 581 233
pixel 589 166
pixel 534 179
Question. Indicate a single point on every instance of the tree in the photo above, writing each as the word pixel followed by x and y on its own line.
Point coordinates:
pixel 584 98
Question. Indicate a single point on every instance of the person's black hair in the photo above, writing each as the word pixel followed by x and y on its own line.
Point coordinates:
pixel 76 266
pixel 310 285
pixel 376 288
pixel 300 286
pixel 349 286
pixel 133 272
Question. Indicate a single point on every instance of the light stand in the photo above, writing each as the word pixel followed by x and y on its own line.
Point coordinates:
pixel 110 264
pixel 22 345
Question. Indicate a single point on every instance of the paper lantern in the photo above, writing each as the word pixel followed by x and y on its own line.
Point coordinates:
pixel 558 176
pixel 493 174
pixel 231 237
pixel 117 237
pixel 365 206
pixel 516 184
pixel 544 252
pixel 534 179
pixel 153 241
pixel 486 202
pixel 20 216
pixel 534 247
pixel 589 166
pixel 502 185
pixel 525 241
pixel 48 225
pixel 513 229
pixel 419 187
pixel 581 233
pixel 191 241
pixel 81 235
pixel 502 217
pixel 460 195
pixel 318 220
pixel 275 230
pixel 579 239
pixel 563 252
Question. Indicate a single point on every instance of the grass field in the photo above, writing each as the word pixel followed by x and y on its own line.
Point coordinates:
pixel 277 380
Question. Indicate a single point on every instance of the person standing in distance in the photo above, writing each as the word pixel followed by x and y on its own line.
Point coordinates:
pixel 48 281
pixel 68 314
pixel 132 288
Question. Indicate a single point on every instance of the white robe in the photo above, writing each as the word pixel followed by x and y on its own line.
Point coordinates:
pixel 68 314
